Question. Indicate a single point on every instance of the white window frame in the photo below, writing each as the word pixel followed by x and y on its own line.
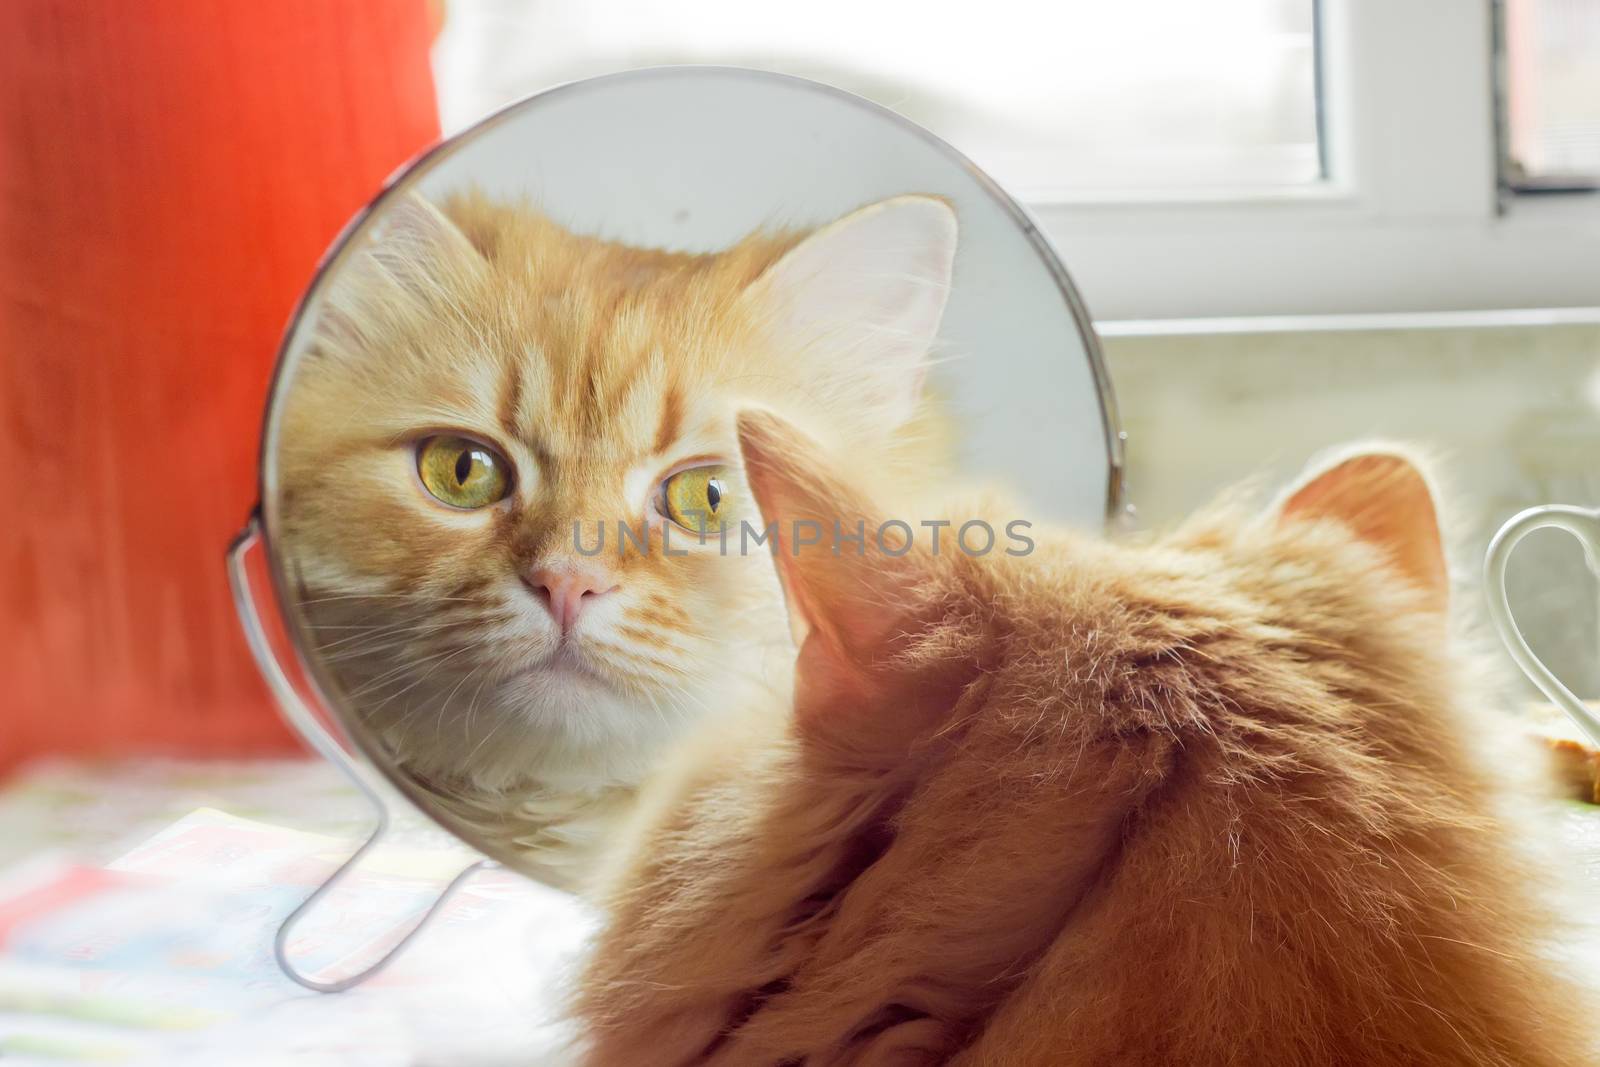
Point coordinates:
pixel 1409 219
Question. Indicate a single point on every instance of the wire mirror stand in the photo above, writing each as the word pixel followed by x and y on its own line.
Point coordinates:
pixel 311 728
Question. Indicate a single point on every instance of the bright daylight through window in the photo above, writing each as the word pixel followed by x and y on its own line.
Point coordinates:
pixel 1068 100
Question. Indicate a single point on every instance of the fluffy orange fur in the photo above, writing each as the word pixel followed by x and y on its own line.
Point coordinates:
pixel 1206 799
pixel 595 369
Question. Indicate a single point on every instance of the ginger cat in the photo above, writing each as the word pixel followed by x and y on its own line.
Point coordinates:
pixel 1204 800
pixel 489 399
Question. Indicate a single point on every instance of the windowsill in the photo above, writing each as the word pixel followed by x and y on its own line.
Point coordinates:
pixel 1334 254
pixel 1551 210
pixel 1322 193
pixel 1506 318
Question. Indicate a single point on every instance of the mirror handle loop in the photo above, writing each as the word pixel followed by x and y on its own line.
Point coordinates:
pixel 300 717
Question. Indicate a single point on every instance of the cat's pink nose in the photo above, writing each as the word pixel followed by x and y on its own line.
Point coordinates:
pixel 566 590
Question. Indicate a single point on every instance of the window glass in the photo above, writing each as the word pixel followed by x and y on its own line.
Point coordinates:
pixel 1553 93
pixel 1068 98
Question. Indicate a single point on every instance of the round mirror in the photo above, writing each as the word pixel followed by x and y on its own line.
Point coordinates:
pixel 501 489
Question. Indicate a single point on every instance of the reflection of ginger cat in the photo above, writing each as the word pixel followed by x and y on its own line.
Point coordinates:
pixel 483 380
pixel 1204 801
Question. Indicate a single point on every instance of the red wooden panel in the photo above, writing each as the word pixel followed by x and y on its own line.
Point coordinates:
pixel 169 173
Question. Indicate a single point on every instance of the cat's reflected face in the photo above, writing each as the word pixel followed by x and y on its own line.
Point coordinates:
pixel 505 468
pixel 554 576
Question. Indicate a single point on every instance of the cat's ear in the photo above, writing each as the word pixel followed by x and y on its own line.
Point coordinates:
pixel 1385 498
pixel 416 261
pixel 416 248
pixel 863 297
pixel 419 247
pixel 849 601
pixel 846 593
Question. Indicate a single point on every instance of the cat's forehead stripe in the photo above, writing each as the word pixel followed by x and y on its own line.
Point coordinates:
pixel 671 419
pixel 511 405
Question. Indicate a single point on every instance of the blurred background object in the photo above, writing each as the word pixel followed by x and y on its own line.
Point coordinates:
pixel 1050 99
pixel 1506 401
pixel 169 174
pixel 1553 94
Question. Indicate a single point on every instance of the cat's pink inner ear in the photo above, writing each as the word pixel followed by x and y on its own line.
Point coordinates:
pixel 848 600
pixel 421 249
pixel 861 299
pixel 1385 499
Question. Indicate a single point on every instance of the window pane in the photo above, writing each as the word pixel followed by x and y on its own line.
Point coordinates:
pixel 1553 92
pixel 1064 98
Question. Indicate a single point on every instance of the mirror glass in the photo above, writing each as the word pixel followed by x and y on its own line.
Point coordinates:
pixel 501 488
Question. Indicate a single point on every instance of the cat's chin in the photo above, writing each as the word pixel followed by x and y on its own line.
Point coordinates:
pixel 561 721
pixel 555 696
pixel 564 667
pixel 558 724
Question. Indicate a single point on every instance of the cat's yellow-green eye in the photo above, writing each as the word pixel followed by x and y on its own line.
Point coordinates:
pixel 461 472
pixel 698 499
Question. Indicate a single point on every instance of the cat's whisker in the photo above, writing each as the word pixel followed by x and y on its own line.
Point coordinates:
pixel 424 598
pixel 471 708
pixel 386 615
pixel 406 630
pixel 386 678
pixel 424 677
pixel 385 647
pixel 444 705
pixel 610 651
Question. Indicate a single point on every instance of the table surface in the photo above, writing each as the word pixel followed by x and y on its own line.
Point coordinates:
pixel 95 812
pixel 476 989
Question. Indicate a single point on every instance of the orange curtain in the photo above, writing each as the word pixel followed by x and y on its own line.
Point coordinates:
pixel 169 174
